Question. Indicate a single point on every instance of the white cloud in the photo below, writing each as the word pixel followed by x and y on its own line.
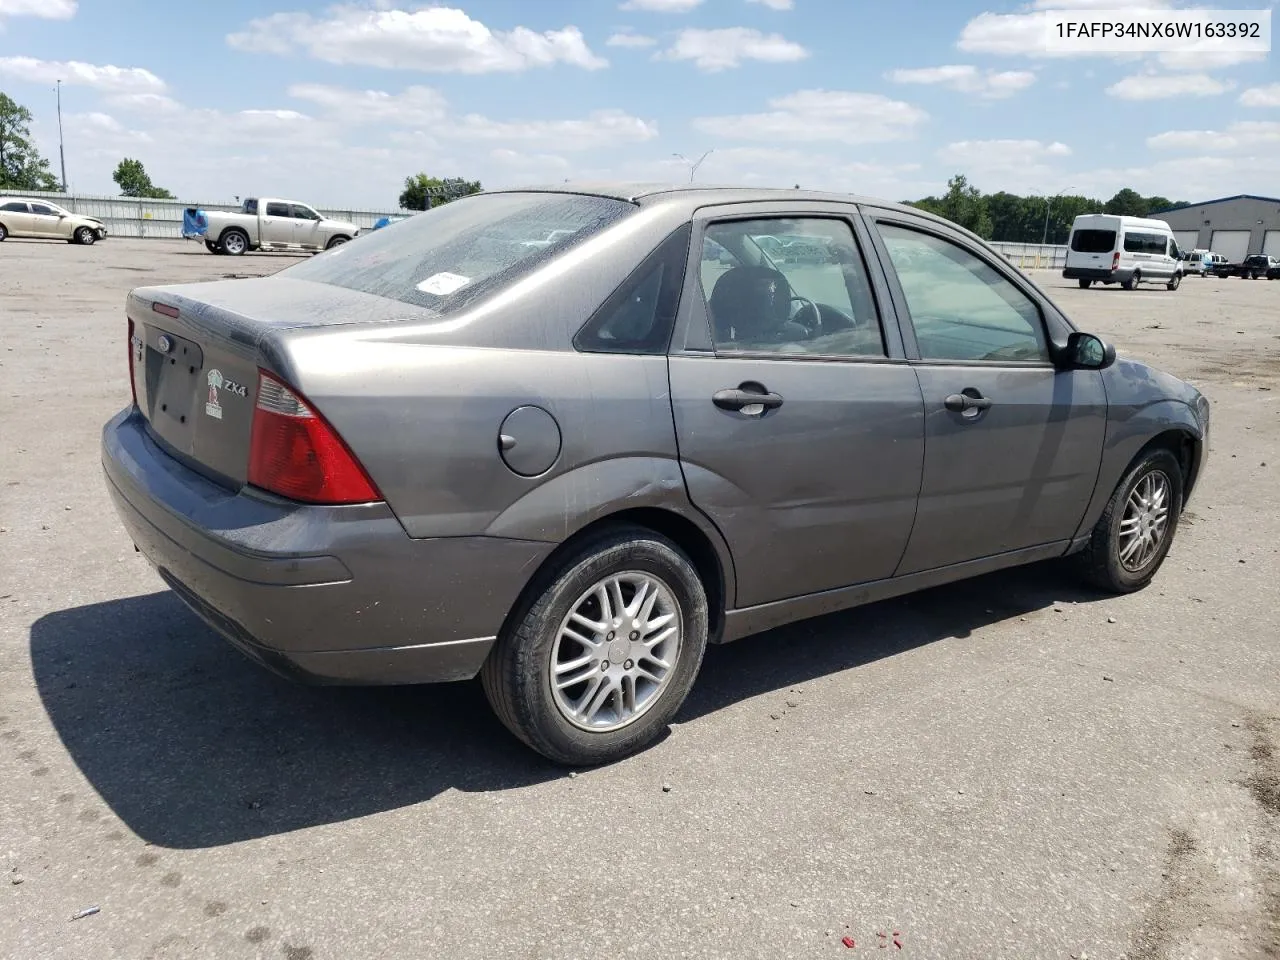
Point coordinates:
pixel 966 78
pixel 775 4
pixel 527 163
pixel 434 39
pixel 661 6
pixel 1020 166
pixel 817 115
pixel 1191 178
pixel 630 40
pixel 415 106
pixel 722 49
pixel 1268 96
pixel 108 78
pixel 45 9
pixel 427 110
pixel 1206 58
pixel 1236 137
pixel 1154 86
pixel 1002 152
pixel 145 102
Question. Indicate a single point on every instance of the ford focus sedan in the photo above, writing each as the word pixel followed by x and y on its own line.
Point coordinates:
pixel 454 450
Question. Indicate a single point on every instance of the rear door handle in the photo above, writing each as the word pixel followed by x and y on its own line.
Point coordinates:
pixel 964 402
pixel 740 399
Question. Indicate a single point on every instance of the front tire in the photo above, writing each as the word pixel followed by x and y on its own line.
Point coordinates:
pixel 4 234
pixel 85 236
pixel 595 664
pixel 1132 537
pixel 336 242
pixel 1175 282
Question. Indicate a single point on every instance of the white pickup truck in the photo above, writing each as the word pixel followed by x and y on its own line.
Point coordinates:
pixel 266 223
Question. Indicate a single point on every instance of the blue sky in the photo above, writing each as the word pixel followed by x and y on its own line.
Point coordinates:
pixel 336 103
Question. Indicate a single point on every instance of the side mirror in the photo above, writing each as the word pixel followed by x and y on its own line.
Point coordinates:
pixel 1086 352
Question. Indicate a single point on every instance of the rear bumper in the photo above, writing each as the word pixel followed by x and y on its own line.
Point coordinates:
pixel 323 594
pixel 1095 273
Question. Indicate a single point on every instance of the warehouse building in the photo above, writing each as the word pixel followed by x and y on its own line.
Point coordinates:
pixel 1235 227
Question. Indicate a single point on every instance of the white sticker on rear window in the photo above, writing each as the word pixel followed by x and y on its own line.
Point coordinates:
pixel 443 284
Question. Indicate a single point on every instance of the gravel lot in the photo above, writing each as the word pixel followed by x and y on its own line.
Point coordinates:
pixel 1006 767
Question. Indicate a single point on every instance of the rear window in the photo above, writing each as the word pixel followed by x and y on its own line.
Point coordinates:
pixel 1093 241
pixel 449 257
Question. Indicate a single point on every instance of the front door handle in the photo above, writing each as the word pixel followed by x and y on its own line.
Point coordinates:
pixel 747 400
pixel 970 399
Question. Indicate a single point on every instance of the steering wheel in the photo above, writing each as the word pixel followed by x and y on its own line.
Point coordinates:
pixel 813 322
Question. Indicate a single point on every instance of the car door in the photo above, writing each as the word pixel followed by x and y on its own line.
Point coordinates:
pixel 306 226
pixel 1012 443
pixel 800 425
pixel 16 216
pixel 47 222
pixel 277 225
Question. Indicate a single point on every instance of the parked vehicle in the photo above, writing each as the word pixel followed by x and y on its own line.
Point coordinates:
pixel 265 223
pixel 1208 263
pixel 569 468
pixel 387 221
pixel 44 220
pixel 1251 268
pixel 1125 250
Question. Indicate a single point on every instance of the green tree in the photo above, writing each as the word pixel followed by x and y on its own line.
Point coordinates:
pixel 965 205
pixel 1127 203
pixel 21 166
pixel 420 189
pixel 132 179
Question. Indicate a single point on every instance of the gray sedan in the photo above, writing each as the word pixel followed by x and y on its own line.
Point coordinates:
pixel 566 467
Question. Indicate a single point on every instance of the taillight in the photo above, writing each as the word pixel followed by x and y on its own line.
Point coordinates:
pixel 1115 260
pixel 133 384
pixel 293 452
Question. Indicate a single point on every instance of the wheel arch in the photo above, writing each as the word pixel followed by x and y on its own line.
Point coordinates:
pixel 686 534
pixel 1186 448
pixel 337 238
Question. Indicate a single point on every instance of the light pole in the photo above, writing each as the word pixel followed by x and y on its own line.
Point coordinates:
pixel 1048 205
pixel 62 154
pixel 694 165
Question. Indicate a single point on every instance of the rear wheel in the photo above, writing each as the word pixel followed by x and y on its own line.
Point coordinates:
pixel 4 234
pixel 1132 537
pixel 1133 280
pixel 1175 282
pixel 1085 284
pixel 85 236
pixel 595 665
pixel 234 242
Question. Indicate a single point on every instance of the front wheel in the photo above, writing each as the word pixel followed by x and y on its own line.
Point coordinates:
pixel 1085 284
pixel 595 664
pixel 1175 282
pixel 336 242
pixel 1132 537
pixel 4 234
pixel 85 236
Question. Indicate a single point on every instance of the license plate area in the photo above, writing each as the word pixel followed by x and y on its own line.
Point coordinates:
pixel 175 366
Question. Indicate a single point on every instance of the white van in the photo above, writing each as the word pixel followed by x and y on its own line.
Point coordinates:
pixel 1123 250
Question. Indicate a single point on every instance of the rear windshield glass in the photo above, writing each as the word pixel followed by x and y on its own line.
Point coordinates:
pixel 450 256
pixel 1093 241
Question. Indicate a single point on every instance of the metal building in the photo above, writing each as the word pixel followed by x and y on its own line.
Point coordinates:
pixel 1235 227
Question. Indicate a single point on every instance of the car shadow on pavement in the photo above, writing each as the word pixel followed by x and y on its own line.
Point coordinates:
pixel 191 745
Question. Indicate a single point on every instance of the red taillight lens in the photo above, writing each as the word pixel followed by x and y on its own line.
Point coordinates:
pixel 1115 260
pixel 293 452
pixel 133 384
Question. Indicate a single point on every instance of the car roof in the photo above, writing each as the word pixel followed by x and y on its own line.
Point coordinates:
pixel 693 196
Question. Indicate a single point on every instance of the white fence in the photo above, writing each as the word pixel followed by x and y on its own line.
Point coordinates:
pixel 1034 256
pixel 129 217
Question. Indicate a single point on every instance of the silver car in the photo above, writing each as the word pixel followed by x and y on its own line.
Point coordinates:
pixel 444 452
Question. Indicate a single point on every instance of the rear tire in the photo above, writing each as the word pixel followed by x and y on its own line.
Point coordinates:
pixel 571 725
pixel 1086 284
pixel 234 242
pixel 85 236
pixel 4 233
pixel 1112 560
pixel 1175 282
pixel 1133 280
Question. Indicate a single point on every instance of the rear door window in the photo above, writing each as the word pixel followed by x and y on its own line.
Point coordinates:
pixel 639 317
pixel 14 206
pixel 277 210
pixel 1093 241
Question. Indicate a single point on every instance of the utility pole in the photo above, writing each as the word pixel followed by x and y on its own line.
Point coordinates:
pixel 1048 203
pixel 62 154
pixel 693 165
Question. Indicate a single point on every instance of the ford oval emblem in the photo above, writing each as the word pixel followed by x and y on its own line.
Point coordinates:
pixel 164 343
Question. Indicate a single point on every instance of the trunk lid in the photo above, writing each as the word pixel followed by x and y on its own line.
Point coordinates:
pixel 197 349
